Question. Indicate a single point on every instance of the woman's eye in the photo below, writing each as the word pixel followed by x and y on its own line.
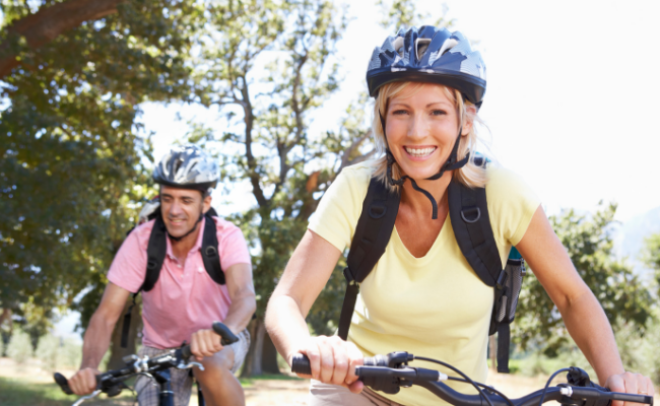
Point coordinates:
pixel 399 112
pixel 439 112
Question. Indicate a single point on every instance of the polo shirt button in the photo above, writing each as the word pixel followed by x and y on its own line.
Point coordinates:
pixel 200 269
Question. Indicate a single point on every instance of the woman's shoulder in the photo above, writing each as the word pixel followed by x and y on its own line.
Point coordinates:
pixel 501 179
pixel 360 172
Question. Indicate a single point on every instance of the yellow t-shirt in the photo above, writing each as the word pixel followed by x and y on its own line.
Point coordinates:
pixel 434 306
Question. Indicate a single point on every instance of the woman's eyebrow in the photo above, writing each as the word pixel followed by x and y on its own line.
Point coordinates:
pixel 438 102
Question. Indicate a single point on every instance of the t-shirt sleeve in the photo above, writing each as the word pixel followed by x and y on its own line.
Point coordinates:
pixel 233 247
pixel 511 205
pixel 340 207
pixel 129 267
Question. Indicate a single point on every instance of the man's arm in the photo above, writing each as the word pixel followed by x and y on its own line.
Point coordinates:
pixel 97 337
pixel 238 277
pixel 241 292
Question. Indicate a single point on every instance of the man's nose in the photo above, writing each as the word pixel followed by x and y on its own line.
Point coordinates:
pixel 175 208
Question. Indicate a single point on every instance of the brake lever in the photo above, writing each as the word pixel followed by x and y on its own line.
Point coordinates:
pixel 190 365
pixel 90 396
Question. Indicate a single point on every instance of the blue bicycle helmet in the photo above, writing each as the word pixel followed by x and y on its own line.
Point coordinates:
pixel 429 54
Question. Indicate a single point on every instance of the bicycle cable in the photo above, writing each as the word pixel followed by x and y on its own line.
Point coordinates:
pixel 547 384
pixel 467 378
pixel 486 387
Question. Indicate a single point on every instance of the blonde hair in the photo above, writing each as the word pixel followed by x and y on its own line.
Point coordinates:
pixel 471 175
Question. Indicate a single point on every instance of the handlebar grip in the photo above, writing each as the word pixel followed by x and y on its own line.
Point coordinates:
pixel 185 352
pixel 223 331
pixel 63 382
pixel 300 364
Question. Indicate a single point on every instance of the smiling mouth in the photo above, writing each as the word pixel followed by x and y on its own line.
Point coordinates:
pixel 420 152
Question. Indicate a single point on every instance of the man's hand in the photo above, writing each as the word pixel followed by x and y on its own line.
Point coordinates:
pixel 84 381
pixel 205 343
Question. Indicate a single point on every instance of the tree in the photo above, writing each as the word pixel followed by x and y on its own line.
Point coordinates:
pixel 72 160
pixel 267 143
pixel 588 240
pixel 651 253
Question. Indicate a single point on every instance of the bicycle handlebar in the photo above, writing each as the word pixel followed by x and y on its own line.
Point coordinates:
pixel 387 373
pixel 110 382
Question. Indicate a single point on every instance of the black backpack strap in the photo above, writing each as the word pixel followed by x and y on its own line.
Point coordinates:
pixel 210 254
pixel 156 251
pixel 503 344
pixel 127 322
pixel 373 232
pixel 471 223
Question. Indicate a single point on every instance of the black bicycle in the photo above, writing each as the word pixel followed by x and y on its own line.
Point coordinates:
pixel 157 368
pixel 389 373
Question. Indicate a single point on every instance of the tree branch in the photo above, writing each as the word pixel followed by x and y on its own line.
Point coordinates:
pixel 48 23
pixel 251 161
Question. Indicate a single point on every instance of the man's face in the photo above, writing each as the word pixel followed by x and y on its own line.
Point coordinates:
pixel 181 209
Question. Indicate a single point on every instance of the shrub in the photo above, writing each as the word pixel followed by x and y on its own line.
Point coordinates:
pixel 47 351
pixel 20 347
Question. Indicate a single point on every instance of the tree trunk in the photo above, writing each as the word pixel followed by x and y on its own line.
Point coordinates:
pixel 116 351
pixel 269 358
pixel 492 349
pixel 253 364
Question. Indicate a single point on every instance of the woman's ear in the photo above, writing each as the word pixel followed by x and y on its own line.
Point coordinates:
pixel 468 120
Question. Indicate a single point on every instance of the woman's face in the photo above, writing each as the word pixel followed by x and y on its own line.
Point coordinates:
pixel 421 127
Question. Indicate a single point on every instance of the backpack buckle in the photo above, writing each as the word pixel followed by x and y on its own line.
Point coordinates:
pixel 501 280
pixel 469 211
pixel 210 251
pixel 349 276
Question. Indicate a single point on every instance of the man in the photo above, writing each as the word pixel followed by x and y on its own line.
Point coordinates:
pixel 185 300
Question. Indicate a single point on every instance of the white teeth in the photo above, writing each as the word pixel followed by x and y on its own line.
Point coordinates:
pixel 418 152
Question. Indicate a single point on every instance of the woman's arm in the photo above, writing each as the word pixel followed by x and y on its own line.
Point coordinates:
pixel 582 314
pixel 332 359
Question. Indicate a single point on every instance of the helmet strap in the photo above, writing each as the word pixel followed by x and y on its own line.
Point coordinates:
pixel 201 215
pixel 451 164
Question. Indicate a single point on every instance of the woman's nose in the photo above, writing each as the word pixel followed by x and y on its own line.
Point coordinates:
pixel 419 126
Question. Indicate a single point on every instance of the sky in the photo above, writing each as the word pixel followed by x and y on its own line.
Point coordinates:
pixel 571 100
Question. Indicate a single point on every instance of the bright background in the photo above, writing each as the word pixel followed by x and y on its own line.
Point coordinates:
pixel 571 103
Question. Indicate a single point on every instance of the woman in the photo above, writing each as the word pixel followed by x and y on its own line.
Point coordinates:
pixel 422 296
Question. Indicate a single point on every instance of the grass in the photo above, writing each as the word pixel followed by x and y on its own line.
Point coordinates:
pixel 21 392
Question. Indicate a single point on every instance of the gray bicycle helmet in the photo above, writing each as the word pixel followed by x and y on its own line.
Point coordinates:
pixel 429 54
pixel 187 167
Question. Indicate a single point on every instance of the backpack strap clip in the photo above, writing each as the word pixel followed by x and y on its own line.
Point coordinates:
pixel 466 214
pixel 349 276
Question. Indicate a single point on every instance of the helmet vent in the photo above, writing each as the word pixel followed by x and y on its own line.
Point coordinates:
pixel 398 46
pixel 446 46
pixel 421 45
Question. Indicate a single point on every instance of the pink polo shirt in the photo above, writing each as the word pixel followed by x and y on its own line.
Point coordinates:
pixel 185 299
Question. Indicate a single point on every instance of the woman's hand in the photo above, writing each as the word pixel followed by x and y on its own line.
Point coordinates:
pixel 333 361
pixel 629 382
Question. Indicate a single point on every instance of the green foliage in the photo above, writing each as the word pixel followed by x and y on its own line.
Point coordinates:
pixel 267 110
pixel 71 159
pixel 406 14
pixel 47 351
pixel 651 254
pixel 20 348
pixel 587 238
